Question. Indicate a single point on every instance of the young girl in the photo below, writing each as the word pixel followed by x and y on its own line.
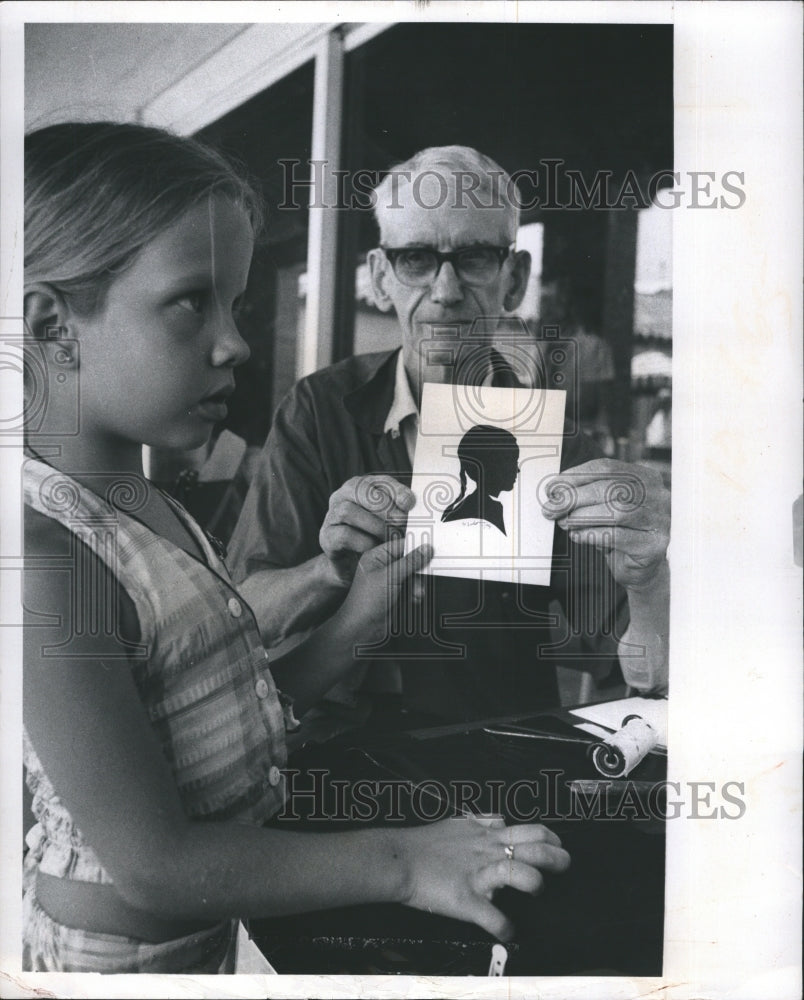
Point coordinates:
pixel 154 733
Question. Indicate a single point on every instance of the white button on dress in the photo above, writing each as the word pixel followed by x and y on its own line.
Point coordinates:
pixel 261 688
pixel 235 607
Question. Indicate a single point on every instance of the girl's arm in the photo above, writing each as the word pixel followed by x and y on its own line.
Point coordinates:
pixel 92 735
pixel 312 667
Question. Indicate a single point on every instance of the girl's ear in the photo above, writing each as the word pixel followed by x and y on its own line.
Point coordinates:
pixel 45 312
pixel 518 281
pixel 378 271
pixel 48 322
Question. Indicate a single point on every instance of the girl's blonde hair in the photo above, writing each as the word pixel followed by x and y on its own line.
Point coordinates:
pixel 97 192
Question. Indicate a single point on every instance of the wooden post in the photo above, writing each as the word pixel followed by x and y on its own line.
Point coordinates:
pixel 618 312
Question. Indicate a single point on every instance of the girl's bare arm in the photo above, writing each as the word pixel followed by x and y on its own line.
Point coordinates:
pixel 92 735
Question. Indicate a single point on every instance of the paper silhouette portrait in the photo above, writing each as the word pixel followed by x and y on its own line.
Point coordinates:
pixel 489 458
pixel 482 454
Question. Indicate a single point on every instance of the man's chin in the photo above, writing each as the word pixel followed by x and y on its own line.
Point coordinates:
pixel 456 357
pixel 449 333
pixel 440 375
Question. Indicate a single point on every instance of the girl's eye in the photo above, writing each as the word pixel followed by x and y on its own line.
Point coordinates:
pixel 192 301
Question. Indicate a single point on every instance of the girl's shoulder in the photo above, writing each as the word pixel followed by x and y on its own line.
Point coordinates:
pixel 44 537
pixel 64 577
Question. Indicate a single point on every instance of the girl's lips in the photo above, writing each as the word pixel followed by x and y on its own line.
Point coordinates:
pixel 213 408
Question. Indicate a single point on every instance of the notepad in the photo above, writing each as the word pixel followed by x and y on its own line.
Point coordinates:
pixel 601 720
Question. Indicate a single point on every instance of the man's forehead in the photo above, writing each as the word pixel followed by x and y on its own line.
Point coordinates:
pixel 433 210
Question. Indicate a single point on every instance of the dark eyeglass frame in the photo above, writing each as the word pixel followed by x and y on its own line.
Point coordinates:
pixel 451 256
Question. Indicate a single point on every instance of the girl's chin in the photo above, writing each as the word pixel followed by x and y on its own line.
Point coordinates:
pixel 183 439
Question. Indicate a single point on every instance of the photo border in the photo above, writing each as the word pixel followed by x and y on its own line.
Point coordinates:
pixel 733 898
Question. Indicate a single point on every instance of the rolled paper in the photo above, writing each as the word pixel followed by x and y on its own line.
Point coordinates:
pixel 619 754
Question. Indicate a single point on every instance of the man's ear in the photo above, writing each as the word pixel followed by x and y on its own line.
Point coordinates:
pixel 379 272
pixel 518 280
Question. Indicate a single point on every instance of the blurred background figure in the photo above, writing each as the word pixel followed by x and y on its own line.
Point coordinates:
pixel 595 382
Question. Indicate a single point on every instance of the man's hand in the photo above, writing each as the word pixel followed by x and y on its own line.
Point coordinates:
pixel 359 516
pixel 620 508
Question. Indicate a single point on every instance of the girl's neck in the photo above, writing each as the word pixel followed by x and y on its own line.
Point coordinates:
pixel 80 455
pixel 97 467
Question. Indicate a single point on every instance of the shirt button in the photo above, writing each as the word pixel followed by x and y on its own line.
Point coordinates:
pixel 261 688
pixel 274 776
pixel 235 607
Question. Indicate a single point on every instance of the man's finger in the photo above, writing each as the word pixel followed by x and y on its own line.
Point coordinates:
pixel 379 494
pixel 636 542
pixel 601 538
pixel 599 468
pixel 610 498
pixel 349 513
pixel 340 539
pixel 603 516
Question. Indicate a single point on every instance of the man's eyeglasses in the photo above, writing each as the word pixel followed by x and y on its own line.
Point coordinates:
pixel 419 266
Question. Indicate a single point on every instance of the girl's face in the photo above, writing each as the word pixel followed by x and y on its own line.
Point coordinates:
pixel 156 358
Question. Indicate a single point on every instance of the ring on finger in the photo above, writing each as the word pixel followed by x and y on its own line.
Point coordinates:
pixel 509 851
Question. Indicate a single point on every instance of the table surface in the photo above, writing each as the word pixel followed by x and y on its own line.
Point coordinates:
pixel 604 916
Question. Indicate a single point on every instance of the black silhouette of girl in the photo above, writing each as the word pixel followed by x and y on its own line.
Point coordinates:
pixel 490 457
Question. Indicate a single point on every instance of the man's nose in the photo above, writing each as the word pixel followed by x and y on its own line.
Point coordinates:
pixel 446 288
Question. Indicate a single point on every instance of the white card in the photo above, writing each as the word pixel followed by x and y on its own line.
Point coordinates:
pixel 482 458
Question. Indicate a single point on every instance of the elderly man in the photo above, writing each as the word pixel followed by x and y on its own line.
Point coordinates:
pixel 446 260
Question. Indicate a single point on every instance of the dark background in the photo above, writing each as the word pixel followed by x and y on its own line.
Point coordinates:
pixel 599 97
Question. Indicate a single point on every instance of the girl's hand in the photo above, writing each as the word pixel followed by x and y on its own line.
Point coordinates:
pixel 312 667
pixel 457 865
pixel 382 577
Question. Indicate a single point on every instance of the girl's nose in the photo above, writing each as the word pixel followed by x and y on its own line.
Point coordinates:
pixel 229 349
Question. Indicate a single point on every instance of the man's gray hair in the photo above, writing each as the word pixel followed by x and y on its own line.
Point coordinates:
pixel 482 184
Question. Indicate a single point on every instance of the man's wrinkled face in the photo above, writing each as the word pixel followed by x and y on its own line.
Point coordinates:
pixel 436 319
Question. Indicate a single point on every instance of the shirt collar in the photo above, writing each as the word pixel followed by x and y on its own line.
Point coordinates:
pixel 403 404
pixel 371 401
